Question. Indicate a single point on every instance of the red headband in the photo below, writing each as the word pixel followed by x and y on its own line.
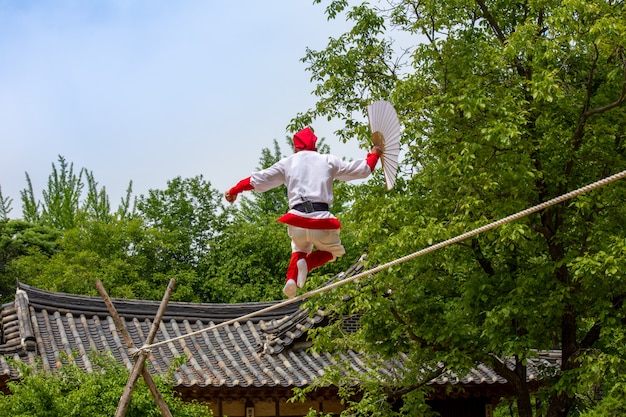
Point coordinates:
pixel 305 139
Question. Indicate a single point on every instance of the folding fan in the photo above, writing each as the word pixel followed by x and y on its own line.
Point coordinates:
pixel 385 129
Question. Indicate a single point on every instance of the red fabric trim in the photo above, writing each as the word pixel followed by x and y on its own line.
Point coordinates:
pixel 372 160
pixel 308 223
pixel 292 270
pixel 318 258
pixel 243 185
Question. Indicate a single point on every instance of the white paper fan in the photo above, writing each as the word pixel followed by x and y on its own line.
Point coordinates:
pixel 385 129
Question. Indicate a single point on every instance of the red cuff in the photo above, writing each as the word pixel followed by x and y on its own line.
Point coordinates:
pixel 243 185
pixel 372 159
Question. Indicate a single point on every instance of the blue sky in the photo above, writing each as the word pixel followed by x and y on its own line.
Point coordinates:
pixel 148 90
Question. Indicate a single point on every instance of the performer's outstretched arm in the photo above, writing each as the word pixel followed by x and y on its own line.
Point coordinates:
pixel 243 185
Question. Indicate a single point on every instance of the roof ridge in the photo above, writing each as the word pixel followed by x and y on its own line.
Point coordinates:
pixel 142 309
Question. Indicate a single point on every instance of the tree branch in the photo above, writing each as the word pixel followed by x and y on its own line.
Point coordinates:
pixel 616 103
pixel 413 336
pixel 480 257
pixel 395 394
pixel 517 378
pixel 492 21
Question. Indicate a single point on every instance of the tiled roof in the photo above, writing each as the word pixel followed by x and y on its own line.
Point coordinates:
pixel 49 324
pixel 266 351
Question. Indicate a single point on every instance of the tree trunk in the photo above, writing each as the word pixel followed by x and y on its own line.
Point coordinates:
pixel 517 378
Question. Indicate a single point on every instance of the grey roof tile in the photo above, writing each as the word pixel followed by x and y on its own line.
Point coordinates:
pixel 260 352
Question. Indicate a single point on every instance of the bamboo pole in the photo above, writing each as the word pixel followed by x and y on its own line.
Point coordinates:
pixel 143 355
pixel 158 398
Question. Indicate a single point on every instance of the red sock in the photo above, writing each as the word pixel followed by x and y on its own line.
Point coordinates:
pixel 318 258
pixel 292 270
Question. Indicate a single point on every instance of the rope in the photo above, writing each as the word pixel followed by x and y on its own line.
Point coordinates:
pixel 419 253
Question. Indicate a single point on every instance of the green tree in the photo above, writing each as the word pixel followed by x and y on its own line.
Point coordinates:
pixel 60 200
pixel 18 239
pixel 249 258
pixel 63 205
pixel 5 206
pixel 134 251
pixel 44 248
pixel 72 392
pixel 274 201
pixel 504 105
pixel 122 253
pixel 189 213
pixel 248 261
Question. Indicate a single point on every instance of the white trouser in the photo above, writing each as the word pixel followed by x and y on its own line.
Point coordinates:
pixel 303 240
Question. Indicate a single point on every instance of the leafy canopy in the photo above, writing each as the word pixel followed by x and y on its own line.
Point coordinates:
pixel 72 392
pixel 503 106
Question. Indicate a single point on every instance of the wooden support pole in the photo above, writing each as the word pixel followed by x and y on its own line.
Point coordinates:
pixel 124 402
pixel 143 355
pixel 158 398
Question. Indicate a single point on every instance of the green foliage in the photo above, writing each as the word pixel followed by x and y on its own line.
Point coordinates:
pixel 5 206
pixel 189 213
pixel 273 201
pixel 62 207
pixel 362 56
pixel 169 234
pixel 135 255
pixel 503 105
pixel 97 205
pixel 71 391
pixel 248 262
pixel 123 254
pixel 215 252
pixel 20 239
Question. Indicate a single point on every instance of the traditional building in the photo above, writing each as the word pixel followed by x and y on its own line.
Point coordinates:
pixel 244 369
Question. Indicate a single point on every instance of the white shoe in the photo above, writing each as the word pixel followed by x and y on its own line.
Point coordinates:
pixel 290 288
pixel 303 270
